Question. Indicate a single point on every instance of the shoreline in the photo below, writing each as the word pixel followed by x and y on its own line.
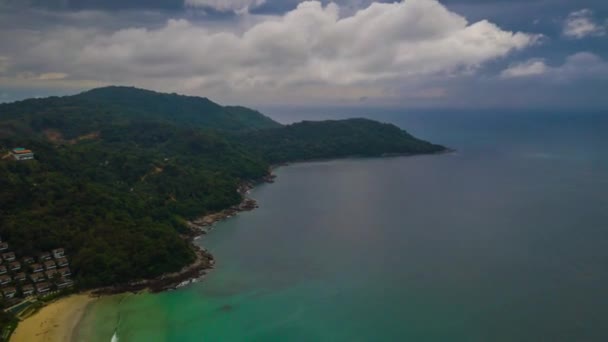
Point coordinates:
pixel 68 311
pixel 204 260
pixel 55 321
pixel 200 226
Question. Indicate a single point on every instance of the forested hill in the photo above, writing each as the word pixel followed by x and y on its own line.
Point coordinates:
pixel 90 111
pixel 334 139
pixel 118 171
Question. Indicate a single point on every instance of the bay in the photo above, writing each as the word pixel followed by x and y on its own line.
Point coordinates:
pixel 504 240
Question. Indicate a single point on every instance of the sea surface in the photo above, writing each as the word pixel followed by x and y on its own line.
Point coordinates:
pixel 504 240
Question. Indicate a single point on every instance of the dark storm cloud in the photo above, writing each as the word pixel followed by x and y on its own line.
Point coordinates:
pixel 77 5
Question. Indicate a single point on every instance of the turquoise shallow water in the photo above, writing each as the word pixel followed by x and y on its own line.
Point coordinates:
pixel 504 240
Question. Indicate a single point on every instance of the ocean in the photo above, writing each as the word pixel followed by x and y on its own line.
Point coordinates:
pixel 505 239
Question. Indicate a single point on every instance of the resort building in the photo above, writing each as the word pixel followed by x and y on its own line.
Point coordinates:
pixel 61 262
pixel 21 153
pixel 36 268
pixel 65 272
pixel 37 277
pixel 9 292
pixel 20 276
pixel 27 290
pixel 3 246
pixel 2 269
pixel 44 256
pixel 5 279
pixel 28 260
pixel 51 274
pixel 49 265
pixel 10 256
pixel 15 266
pixel 43 287
pixel 58 253
pixel 63 283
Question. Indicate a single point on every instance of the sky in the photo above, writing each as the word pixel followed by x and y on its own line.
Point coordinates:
pixel 411 54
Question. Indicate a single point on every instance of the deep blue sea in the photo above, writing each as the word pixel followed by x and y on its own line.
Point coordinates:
pixel 505 239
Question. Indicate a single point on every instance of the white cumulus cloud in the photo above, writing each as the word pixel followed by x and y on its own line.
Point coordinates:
pixel 312 50
pixel 531 67
pixel 581 24
pixel 578 66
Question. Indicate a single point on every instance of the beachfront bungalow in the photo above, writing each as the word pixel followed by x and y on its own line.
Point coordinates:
pixel 5 279
pixel 65 272
pixel 2 269
pixel 44 256
pixel 28 260
pixel 3 246
pixel 63 283
pixel 20 276
pixel 50 265
pixel 9 256
pixel 9 292
pixel 37 277
pixel 62 262
pixel 15 266
pixel 43 287
pixel 58 253
pixel 21 153
pixel 36 268
pixel 27 290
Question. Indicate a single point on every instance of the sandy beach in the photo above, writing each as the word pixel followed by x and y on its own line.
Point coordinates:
pixel 54 322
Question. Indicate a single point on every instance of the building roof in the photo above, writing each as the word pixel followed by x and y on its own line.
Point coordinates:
pixel 49 263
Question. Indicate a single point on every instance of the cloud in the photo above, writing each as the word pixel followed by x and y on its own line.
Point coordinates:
pixel 51 76
pixel 3 64
pixel 576 67
pixel 239 6
pixel 581 66
pixel 531 67
pixel 313 50
pixel 581 24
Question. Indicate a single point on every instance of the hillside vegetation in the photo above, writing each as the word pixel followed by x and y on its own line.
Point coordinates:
pixel 333 139
pixel 118 171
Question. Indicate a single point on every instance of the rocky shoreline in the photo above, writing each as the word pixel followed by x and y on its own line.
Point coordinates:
pixel 204 260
